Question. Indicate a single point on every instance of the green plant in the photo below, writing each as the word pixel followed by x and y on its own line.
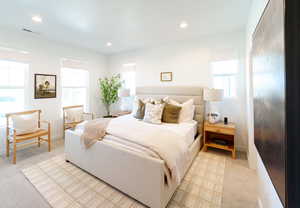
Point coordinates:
pixel 109 90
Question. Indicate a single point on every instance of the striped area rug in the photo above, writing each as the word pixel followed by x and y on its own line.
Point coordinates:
pixel 64 185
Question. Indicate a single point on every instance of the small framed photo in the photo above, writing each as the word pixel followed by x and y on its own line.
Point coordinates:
pixel 44 86
pixel 166 76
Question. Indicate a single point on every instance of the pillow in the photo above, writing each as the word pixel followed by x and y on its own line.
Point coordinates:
pixel 153 113
pixel 139 110
pixel 74 115
pixel 187 110
pixel 171 113
pixel 25 124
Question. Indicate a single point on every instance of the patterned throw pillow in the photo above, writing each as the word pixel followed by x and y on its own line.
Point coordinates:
pixel 153 113
pixel 171 113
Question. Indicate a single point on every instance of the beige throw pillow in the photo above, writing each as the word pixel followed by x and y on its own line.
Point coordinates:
pixel 187 110
pixel 25 124
pixel 153 113
pixel 138 111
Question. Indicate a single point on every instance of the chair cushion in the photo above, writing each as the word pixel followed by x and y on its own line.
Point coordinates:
pixel 74 115
pixel 25 124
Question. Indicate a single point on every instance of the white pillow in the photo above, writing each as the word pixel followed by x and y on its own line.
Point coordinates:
pixel 153 113
pixel 187 110
pixel 25 124
pixel 74 115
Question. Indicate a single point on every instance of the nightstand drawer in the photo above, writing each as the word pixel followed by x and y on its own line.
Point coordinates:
pixel 220 130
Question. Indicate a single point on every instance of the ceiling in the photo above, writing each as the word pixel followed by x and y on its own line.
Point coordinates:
pixel 127 24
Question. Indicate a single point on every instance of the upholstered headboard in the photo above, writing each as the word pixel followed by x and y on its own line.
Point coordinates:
pixel 180 94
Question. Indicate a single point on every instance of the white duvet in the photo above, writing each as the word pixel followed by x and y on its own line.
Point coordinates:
pixel 161 142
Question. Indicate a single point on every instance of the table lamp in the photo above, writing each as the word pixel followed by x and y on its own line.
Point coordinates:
pixel 213 95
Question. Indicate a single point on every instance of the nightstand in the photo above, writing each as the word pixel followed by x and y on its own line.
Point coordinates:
pixel 220 136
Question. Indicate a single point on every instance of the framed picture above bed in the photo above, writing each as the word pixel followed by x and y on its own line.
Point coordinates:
pixel 44 86
pixel 166 76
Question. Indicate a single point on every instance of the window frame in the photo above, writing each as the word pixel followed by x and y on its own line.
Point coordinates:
pixel 229 75
pixel 86 87
pixel 127 68
pixel 24 87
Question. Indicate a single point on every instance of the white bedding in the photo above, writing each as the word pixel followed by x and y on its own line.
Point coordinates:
pixel 187 129
pixel 168 142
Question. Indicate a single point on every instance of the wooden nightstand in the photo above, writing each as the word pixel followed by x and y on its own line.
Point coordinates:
pixel 220 136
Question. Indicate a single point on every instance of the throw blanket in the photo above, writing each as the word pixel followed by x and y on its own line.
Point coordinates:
pixel 168 145
pixel 94 131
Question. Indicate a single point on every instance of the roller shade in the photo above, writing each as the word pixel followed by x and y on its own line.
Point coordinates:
pixel 72 64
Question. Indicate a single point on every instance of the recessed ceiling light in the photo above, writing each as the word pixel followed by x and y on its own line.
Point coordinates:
pixel 37 19
pixel 108 44
pixel 183 25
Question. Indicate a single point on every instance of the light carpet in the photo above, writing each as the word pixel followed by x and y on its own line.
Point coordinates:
pixel 64 185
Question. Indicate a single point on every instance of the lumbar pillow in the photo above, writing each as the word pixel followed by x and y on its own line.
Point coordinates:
pixel 171 113
pixel 25 124
pixel 153 113
pixel 187 110
pixel 74 115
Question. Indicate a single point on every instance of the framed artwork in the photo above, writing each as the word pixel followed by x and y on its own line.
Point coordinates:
pixel 44 86
pixel 166 76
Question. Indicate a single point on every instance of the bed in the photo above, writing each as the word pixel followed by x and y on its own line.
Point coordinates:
pixel 139 175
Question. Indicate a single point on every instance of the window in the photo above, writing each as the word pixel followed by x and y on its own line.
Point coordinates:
pixel 12 84
pixel 74 87
pixel 128 77
pixel 224 76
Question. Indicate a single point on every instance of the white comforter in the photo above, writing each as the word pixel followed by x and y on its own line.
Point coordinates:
pixel 167 145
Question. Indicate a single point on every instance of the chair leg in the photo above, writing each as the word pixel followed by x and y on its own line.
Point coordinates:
pixel 15 153
pixel 7 148
pixel 49 141
pixel 39 141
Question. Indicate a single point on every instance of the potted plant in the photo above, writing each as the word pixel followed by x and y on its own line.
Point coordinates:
pixel 109 91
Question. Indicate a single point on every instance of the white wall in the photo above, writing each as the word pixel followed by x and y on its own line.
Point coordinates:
pixel 268 197
pixel 45 57
pixel 190 63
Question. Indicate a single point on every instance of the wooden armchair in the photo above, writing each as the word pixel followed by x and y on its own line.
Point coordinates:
pixel 67 123
pixel 13 136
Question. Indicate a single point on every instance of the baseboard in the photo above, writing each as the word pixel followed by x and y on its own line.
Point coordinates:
pixel 259 203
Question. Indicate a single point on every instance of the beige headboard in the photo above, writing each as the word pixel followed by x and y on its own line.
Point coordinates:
pixel 180 94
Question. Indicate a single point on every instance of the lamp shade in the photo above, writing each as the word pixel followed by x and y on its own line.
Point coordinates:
pixel 124 92
pixel 213 94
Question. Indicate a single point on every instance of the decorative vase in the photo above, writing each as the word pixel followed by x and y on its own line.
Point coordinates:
pixel 214 117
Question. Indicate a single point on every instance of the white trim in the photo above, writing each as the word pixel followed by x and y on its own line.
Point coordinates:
pixel 259 203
